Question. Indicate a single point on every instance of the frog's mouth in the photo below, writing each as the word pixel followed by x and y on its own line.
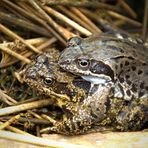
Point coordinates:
pixel 97 80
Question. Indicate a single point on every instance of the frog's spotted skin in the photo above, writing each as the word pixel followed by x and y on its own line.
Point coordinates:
pixel 110 58
pixel 79 110
pixel 85 110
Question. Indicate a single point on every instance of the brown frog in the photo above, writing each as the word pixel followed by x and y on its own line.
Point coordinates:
pixel 115 59
pixel 85 109
pixel 44 75
pixel 102 59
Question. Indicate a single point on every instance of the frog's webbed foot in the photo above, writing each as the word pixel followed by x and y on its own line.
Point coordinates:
pixel 71 126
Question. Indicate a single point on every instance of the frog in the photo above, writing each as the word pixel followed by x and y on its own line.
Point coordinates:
pixel 45 75
pixel 118 60
pixel 85 108
pixel 109 58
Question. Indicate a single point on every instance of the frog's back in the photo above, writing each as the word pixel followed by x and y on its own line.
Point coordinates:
pixel 105 46
pixel 128 59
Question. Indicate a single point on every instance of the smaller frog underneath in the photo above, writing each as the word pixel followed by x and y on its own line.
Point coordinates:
pixel 84 110
pixel 45 75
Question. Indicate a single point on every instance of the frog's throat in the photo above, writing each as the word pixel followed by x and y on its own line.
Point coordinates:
pixel 95 79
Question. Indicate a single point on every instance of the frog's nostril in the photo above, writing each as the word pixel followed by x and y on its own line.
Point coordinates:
pixel 68 61
pixel 64 62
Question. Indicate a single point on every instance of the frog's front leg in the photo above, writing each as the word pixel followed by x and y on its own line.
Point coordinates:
pixel 83 117
pixel 73 126
pixel 76 125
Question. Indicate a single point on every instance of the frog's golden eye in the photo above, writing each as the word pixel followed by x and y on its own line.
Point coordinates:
pixel 83 63
pixel 49 81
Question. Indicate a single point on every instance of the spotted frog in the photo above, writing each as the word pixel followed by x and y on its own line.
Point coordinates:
pixel 117 59
pixel 86 108
pixel 71 93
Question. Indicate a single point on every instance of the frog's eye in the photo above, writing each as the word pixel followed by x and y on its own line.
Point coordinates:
pixel 49 81
pixel 83 63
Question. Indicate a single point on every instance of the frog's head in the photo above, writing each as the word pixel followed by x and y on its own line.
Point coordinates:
pixel 45 75
pixel 39 74
pixel 77 59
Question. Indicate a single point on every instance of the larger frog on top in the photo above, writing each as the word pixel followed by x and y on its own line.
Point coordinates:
pixel 117 59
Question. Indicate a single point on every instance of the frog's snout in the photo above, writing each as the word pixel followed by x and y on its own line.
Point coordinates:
pixel 62 62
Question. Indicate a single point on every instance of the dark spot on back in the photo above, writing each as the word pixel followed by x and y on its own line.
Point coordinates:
pixel 146 88
pixel 128 82
pixel 133 68
pixel 128 92
pixel 139 72
pixel 107 103
pixel 121 65
pixel 116 67
pixel 126 63
pixel 142 85
pixel 121 80
pixel 119 57
pixel 141 94
pixel 134 88
pixel 126 103
pixel 144 64
pixel 127 76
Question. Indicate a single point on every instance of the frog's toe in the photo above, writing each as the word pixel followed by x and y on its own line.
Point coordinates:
pixel 49 129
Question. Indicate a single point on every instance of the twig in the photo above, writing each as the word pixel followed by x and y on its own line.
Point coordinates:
pixel 43 22
pixel 39 141
pixel 145 21
pixel 33 41
pixel 15 36
pixel 85 19
pixel 38 134
pixel 23 107
pixel 7 123
pixel 42 43
pixel 75 17
pixel 68 21
pixel 80 3
pixel 126 19
pixel 14 54
pixel 94 17
pixel 47 43
pixel 66 34
pixel 16 130
pixel 35 114
pixel 48 118
pixel 32 120
pixel 24 24
pixel 33 17
pixel 127 8
pixel 7 99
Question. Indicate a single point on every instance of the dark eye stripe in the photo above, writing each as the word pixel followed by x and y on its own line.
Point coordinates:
pixel 99 67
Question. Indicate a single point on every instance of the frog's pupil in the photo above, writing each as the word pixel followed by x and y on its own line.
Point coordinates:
pixel 48 80
pixel 84 63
